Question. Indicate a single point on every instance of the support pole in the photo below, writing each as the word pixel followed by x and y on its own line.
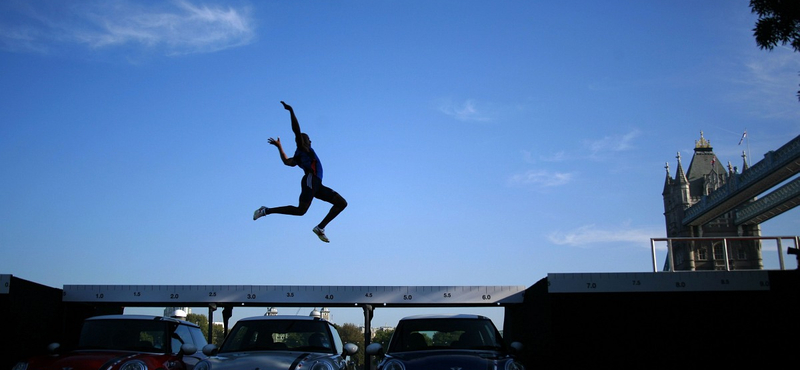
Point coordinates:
pixel 227 312
pixel 726 254
pixel 368 310
pixel 653 251
pixel 211 308
pixel 671 256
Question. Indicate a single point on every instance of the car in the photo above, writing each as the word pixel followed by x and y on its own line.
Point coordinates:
pixel 457 341
pixel 127 342
pixel 279 342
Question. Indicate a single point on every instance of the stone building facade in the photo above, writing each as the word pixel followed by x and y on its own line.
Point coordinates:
pixel 707 251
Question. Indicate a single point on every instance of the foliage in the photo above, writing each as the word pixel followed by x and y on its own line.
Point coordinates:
pixel 778 23
pixel 219 334
pixel 293 340
pixel 383 337
pixel 444 339
pixel 350 333
pixel 202 322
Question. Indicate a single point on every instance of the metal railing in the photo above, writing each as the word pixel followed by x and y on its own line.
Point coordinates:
pixel 671 255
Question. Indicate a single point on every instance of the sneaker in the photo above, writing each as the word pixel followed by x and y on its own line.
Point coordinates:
pixel 261 212
pixel 321 234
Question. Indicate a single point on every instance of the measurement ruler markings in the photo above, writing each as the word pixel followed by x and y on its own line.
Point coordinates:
pixel 678 281
pixel 212 294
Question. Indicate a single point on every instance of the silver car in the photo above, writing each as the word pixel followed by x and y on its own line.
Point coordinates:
pixel 279 342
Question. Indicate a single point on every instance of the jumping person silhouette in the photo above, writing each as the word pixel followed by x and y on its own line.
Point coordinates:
pixel 311 184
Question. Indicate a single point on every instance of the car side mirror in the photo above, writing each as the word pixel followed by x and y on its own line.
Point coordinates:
pixel 188 349
pixel 374 349
pixel 516 347
pixel 350 349
pixel 53 347
pixel 210 349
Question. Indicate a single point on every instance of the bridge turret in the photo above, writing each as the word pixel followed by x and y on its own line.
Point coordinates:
pixel 689 195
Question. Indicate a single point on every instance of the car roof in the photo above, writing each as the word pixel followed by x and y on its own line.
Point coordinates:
pixel 141 317
pixel 283 317
pixel 445 316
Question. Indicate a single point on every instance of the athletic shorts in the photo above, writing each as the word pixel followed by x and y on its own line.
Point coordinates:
pixel 312 188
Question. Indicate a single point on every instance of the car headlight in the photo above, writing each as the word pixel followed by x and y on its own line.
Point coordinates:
pixel 321 366
pixel 134 365
pixel 394 365
pixel 202 365
pixel 513 365
pixel 22 365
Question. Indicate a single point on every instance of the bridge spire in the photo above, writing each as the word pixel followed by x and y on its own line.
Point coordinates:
pixel 680 175
pixel 744 159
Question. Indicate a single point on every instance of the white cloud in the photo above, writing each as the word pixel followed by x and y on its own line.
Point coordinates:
pixel 560 156
pixel 597 148
pixel 770 83
pixel 613 143
pixel 465 111
pixel 592 149
pixel 541 178
pixel 172 28
pixel 590 235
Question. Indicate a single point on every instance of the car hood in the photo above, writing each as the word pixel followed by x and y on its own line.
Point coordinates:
pixel 266 360
pixel 93 360
pixel 450 359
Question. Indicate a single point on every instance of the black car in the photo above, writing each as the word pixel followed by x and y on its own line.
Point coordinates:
pixel 462 342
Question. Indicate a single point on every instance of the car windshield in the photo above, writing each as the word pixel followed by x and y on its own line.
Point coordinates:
pixel 434 334
pixel 279 335
pixel 125 335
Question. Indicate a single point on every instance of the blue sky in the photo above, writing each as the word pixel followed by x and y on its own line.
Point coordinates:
pixel 477 142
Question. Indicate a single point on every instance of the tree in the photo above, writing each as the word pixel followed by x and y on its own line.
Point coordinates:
pixel 202 322
pixel 441 338
pixel 778 23
pixel 383 336
pixel 350 333
pixel 219 334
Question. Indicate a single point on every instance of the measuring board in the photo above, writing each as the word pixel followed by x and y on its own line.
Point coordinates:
pixel 5 284
pixel 689 281
pixel 286 295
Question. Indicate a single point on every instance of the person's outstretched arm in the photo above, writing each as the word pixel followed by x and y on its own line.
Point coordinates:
pixel 286 160
pixel 295 124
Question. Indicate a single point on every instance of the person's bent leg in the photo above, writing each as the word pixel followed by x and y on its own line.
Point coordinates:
pixel 339 204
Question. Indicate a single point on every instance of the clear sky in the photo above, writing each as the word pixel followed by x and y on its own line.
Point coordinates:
pixel 477 142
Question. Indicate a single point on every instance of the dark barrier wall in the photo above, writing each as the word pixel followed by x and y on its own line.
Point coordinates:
pixel 529 324
pixel 680 329
pixel 558 330
pixel 31 319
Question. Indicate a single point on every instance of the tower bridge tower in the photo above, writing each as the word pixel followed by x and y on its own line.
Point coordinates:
pixel 705 175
